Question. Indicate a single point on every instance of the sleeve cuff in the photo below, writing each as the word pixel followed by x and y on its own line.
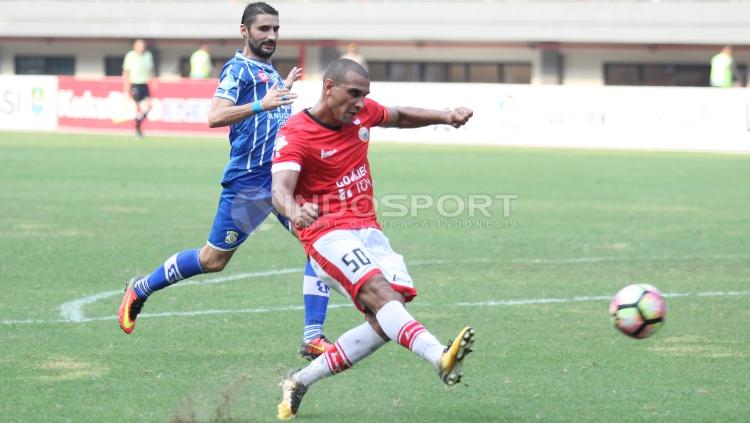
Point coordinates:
pixel 385 117
pixel 278 167
pixel 227 97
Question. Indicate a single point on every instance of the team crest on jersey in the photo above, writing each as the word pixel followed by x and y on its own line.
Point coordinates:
pixel 263 76
pixel 364 134
pixel 227 83
pixel 280 143
pixel 231 237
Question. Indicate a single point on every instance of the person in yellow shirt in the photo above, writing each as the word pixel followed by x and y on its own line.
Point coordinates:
pixel 723 69
pixel 200 63
pixel 137 71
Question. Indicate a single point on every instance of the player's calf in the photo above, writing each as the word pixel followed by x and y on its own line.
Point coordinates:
pixel 212 260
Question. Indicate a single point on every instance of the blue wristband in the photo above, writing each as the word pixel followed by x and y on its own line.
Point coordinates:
pixel 257 107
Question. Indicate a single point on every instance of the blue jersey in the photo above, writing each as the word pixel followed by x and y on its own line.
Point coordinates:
pixel 244 81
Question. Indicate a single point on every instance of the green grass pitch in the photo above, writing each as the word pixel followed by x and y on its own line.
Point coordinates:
pixel 82 213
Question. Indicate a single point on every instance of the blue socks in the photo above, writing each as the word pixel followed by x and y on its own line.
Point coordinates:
pixel 315 294
pixel 186 264
pixel 178 267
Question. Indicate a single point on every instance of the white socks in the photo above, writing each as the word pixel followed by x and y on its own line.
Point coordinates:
pixel 361 341
pixel 401 327
pixel 351 347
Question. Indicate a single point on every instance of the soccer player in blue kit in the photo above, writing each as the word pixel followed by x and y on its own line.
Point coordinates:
pixel 255 102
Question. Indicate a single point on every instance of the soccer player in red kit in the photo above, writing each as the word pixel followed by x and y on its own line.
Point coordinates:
pixel 322 183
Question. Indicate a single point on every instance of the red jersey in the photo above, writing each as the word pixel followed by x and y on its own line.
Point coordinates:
pixel 334 170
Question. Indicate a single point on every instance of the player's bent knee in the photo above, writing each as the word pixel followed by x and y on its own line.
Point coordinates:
pixel 213 267
pixel 373 321
pixel 213 260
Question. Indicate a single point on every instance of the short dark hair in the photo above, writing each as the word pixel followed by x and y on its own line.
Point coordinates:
pixel 338 69
pixel 254 9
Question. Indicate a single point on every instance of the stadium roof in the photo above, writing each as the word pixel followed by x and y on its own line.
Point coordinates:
pixel 671 22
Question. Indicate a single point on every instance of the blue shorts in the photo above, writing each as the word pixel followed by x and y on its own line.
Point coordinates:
pixel 243 205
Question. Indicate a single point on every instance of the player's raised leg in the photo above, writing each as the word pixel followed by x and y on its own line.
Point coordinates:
pixel 182 265
pixel 357 261
pixel 227 233
pixel 178 267
pixel 315 294
pixel 386 297
pixel 402 327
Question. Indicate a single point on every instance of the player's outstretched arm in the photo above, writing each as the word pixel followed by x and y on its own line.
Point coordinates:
pixel 282 189
pixel 223 112
pixel 415 117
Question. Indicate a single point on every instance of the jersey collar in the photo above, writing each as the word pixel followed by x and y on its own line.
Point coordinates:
pixel 258 63
pixel 320 122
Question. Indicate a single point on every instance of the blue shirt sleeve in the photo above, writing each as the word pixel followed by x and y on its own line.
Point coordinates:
pixel 229 82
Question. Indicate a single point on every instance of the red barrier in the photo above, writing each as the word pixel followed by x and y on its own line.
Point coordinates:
pixel 180 106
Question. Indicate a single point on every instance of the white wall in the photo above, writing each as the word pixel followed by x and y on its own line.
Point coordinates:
pixel 642 118
pixel 28 103
pixel 652 118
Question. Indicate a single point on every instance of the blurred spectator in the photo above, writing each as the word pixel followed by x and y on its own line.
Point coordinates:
pixel 724 69
pixel 352 53
pixel 137 71
pixel 200 63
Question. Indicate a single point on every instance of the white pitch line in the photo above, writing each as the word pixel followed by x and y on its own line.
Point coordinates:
pixel 576 260
pixel 491 303
pixel 72 311
pixel 238 276
pixel 533 301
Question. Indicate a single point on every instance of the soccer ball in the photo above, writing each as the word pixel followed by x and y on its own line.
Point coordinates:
pixel 638 310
